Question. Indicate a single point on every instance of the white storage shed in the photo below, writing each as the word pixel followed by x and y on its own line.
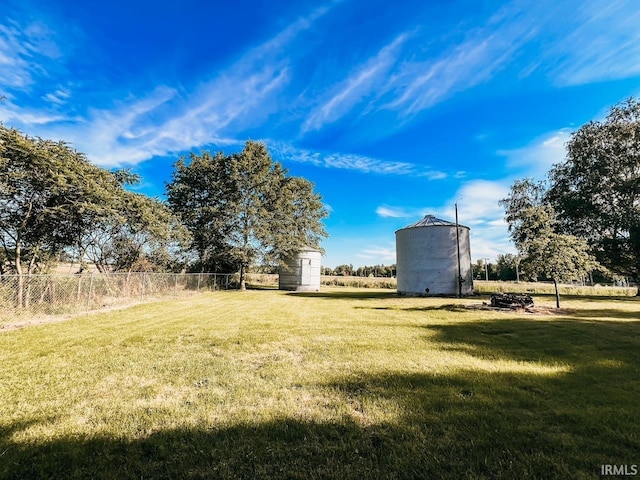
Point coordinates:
pixel 303 271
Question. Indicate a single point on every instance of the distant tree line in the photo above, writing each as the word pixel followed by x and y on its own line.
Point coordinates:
pixel 224 212
pixel 365 271
pixel 507 267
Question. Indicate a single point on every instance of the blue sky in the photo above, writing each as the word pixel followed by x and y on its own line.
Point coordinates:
pixel 393 109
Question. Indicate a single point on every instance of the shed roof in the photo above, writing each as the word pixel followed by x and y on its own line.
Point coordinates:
pixel 307 248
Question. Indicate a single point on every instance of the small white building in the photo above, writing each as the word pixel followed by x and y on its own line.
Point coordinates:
pixel 429 256
pixel 303 271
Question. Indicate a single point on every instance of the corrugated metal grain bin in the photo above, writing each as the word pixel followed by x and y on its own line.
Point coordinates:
pixel 427 258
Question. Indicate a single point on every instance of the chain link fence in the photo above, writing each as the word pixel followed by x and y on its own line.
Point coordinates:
pixel 24 297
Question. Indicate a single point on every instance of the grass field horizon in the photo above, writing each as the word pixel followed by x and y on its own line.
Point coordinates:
pixel 344 383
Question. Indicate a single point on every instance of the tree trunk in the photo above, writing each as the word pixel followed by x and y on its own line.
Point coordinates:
pixel 555 284
pixel 18 265
pixel 243 282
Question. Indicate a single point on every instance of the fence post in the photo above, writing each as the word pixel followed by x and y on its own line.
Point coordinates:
pixel 142 287
pixel 90 291
pixel 79 291
pixel 215 281
pixel 198 287
pixel 175 284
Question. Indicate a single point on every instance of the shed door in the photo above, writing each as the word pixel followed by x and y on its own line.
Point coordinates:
pixel 305 269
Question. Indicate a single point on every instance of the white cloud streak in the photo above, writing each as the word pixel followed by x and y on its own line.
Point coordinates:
pixel 22 48
pixel 344 161
pixel 420 85
pixel 406 78
pixel 386 211
pixel 163 122
pixel 600 41
pixel 571 42
pixel 360 84
pixel 536 158
pixel 12 114
pixel 378 255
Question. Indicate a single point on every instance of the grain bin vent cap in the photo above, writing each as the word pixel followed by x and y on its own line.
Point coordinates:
pixel 432 221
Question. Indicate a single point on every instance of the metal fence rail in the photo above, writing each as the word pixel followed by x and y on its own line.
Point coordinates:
pixel 30 296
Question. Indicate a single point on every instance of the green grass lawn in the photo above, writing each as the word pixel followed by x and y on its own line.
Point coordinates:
pixel 345 383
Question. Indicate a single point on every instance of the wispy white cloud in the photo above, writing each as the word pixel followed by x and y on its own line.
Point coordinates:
pixel 345 161
pixel 413 213
pixel 165 121
pixel 160 122
pixel 204 118
pixel 411 74
pixel 421 82
pixel 599 41
pixel 378 255
pixel 19 117
pixel 22 49
pixel 575 43
pixel 489 244
pixel 59 96
pixel 536 158
pixel 386 211
pixel 477 202
pixel 359 84
pixel 420 85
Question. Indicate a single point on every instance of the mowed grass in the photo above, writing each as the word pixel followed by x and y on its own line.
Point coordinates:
pixel 344 383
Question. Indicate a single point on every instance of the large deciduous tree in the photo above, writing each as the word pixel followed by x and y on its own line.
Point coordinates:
pixel 48 194
pixel 544 251
pixel 596 190
pixel 52 199
pixel 243 209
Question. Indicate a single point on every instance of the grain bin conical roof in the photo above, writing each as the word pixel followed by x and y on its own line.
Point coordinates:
pixel 432 221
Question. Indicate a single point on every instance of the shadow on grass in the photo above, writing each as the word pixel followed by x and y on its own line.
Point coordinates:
pixel 300 450
pixel 256 286
pixel 492 420
pixel 431 308
pixel 586 313
pixel 587 298
pixel 362 294
pixel 563 340
pixel 606 313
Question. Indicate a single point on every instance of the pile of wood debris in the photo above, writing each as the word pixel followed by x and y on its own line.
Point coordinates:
pixel 518 302
pixel 515 301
